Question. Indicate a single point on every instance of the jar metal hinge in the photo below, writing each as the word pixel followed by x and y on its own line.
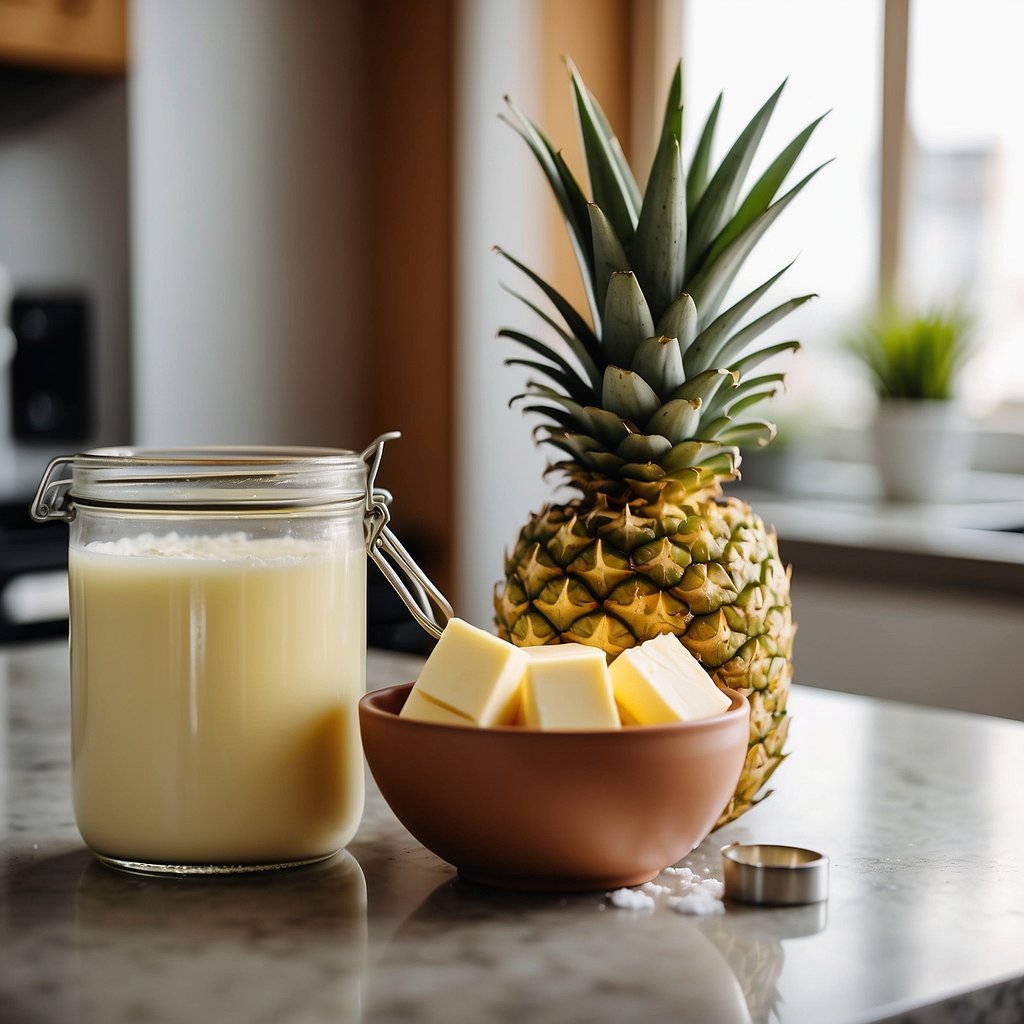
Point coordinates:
pixel 429 607
pixel 49 502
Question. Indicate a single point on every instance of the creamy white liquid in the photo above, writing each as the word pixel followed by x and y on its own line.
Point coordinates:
pixel 214 692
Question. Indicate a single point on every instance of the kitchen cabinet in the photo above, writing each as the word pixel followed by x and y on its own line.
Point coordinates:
pixel 936 645
pixel 80 36
pixel 919 603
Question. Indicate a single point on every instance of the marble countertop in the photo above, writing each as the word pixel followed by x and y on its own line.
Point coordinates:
pixel 920 812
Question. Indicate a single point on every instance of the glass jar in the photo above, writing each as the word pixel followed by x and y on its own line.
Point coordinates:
pixel 217 619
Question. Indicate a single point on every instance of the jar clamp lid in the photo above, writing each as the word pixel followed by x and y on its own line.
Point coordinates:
pixel 247 479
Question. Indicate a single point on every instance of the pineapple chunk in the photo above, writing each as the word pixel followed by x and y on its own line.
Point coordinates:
pixel 472 676
pixel 660 682
pixel 567 686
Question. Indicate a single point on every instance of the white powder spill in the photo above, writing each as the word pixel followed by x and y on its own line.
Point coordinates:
pixel 653 889
pixel 631 899
pixel 713 887
pixel 687 893
pixel 684 875
pixel 699 901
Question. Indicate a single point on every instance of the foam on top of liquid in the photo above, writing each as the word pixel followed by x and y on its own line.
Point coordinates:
pixel 223 547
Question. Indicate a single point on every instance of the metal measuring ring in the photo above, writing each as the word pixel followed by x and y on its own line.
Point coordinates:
pixel 774 875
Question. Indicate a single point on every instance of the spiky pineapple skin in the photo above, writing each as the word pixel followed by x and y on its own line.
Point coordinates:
pixel 705 568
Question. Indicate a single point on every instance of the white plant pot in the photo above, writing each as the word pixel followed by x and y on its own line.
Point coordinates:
pixel 922 449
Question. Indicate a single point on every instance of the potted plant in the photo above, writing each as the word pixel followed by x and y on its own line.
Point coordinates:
pixel 920 433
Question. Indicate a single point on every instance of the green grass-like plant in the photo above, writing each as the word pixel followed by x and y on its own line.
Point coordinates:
pixel 915 356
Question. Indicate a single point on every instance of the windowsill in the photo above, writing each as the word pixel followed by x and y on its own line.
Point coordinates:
pixel 985 500
pixel 997 444
pixel 832 520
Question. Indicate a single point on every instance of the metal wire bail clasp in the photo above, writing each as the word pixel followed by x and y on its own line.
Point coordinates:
pixel 49 502
pixel 411 583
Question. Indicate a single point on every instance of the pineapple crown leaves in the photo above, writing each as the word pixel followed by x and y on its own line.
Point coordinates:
pixel 658 386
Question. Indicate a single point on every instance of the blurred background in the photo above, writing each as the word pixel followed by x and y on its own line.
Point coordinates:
pixel 255 221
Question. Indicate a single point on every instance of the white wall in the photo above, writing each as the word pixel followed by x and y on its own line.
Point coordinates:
pixel 64 225
pixel 245 223
pixel 499 190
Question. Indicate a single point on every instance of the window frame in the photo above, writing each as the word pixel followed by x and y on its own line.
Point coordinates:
pixel 657 28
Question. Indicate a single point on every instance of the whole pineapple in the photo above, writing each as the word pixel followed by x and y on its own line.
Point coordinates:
pixel 647 404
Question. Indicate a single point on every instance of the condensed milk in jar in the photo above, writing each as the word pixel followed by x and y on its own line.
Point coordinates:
pixel 217 622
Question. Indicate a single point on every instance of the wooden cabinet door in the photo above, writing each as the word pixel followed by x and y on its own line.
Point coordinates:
pixel 86 36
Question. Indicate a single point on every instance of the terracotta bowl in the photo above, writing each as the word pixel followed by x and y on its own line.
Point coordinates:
pixel 527 809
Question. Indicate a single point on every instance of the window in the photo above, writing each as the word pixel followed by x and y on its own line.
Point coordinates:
pixel 746 50
pixel 958 205
pixel 964 212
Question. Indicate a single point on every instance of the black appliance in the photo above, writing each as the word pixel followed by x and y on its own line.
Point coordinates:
pixel 49 377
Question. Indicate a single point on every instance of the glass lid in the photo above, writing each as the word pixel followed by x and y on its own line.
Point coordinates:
pixel 217 476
